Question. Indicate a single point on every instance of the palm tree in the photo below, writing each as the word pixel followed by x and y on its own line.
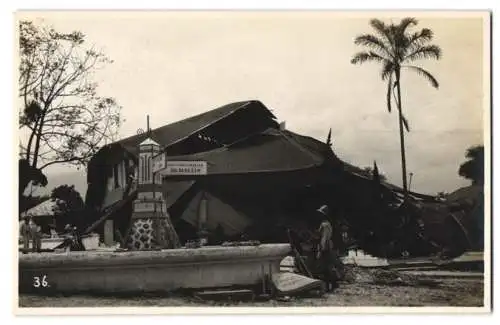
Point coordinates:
pixel 396 48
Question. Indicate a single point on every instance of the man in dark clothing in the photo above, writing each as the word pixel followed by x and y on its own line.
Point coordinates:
pixel 325 254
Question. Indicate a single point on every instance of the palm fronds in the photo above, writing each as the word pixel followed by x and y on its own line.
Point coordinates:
pixel 381 28
pixel 374 43
pixel 420 38
pixel 424 52
pixel 425 74
pixel 387 69
pixel 405 23
pixel 362 57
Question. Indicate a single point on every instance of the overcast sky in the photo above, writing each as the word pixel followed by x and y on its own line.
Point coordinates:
pixel 172 65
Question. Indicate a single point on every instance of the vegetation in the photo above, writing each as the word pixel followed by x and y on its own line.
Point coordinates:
pixel 62 118
pixel 473 168
pixel 369 172
pixel 69 208
pixel 396 48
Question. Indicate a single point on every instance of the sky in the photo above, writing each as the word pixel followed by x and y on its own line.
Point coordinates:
pixel 172 65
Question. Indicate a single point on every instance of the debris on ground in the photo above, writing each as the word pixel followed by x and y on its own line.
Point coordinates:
pixel 451 293
pixel 355 274
pixel 228 295
pixel 241 243
pixel 287 283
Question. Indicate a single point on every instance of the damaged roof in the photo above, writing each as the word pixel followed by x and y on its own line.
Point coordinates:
pixel 177 131
pixel 270 151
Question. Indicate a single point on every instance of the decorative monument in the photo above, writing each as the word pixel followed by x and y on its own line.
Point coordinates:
pixel 151 225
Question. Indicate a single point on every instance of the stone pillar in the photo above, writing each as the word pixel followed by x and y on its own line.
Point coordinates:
pixel 151 224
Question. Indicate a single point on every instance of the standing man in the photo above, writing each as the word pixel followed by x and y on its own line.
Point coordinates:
pixel 325 252
pixel 36 235
pixel 25 233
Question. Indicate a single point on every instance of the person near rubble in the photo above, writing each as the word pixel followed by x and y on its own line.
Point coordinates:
pixel 73 239
pixel 325 253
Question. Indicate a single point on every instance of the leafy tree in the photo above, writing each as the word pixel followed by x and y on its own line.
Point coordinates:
pixel 396 48
pixel 62 119
pixel 473 168
pixel 69 206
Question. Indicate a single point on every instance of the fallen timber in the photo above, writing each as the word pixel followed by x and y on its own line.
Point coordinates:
pixel 149 271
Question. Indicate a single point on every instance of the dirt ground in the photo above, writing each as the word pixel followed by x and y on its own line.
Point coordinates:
pixel 449 292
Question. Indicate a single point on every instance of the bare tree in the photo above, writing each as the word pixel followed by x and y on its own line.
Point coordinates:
pixel 61 118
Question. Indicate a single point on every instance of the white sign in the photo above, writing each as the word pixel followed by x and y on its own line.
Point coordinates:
pixel 159 162
pixel 177 168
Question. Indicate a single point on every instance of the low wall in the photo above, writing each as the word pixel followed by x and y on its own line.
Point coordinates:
pixel 149 271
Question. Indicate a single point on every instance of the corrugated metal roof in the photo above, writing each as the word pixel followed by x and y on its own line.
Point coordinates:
pixel 174 132
pixel 270 151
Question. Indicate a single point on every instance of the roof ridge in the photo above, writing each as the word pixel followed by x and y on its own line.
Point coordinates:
pixel 290 138
pixel 240 104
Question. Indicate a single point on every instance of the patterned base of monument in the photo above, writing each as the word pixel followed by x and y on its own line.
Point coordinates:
pixel 150 229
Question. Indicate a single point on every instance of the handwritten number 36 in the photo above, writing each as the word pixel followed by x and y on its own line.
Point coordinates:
pixel 37 283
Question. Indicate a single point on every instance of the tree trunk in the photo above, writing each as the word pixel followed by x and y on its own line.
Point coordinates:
pixel 401 133
pixel 39 137
pixel 30 142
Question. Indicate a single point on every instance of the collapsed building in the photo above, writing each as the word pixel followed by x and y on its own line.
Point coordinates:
pixel 263 179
